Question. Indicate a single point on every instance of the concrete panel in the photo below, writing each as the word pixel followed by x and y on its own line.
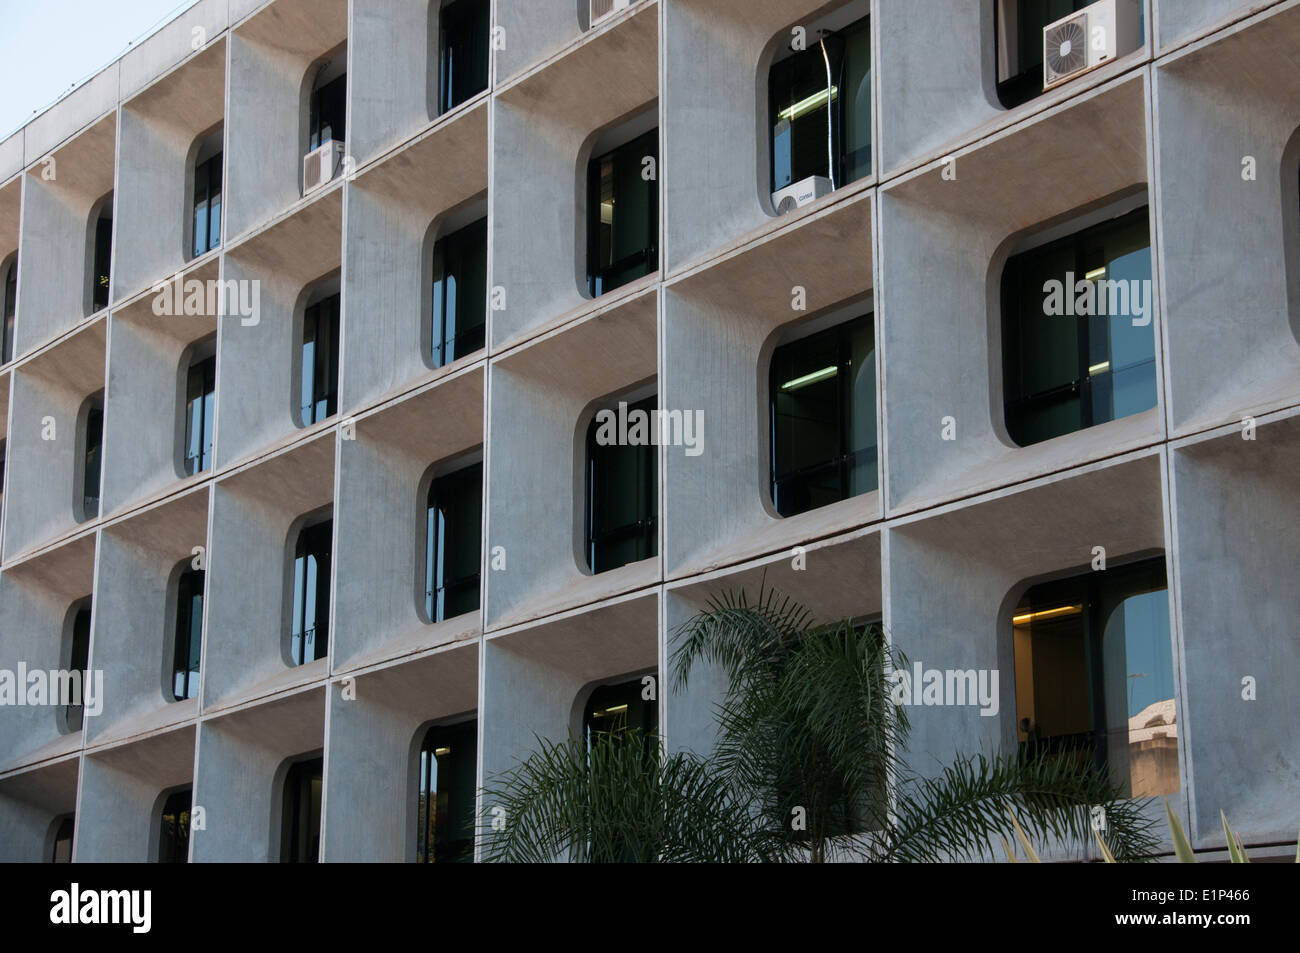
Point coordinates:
pixel 944 242
pixel 11 156
pixel 719 324
pixel 391 210
pixel 1180 20
pixel 35 599
pixel 160 129
pixel 121 790
pixel 1236 514
pixel 393 80
pixel 136 615
pixel 30 802
pixel 381 521
pixel 539 395
pixel 42 450
pixel 58 235
pixel 374 743
pixel 534 30
pixel 78 109
pixel 239 775
pixel 250 572
pixel 190 31
pixel 543 128
pixel 1212 220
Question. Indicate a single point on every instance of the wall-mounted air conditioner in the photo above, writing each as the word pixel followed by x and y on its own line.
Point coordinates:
pixel 602 10
pixel 1094 36
pixel 321 165
pixel 802 193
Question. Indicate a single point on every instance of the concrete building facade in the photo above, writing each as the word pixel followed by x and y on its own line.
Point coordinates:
pixel 1198 125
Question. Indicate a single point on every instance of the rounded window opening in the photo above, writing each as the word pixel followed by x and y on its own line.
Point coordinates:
pixel 621 481
pixel 90 447
pixel 455 286
pixel 446 785
pixel 9 270
pixel 100 257
pixel 622 204
pixel 309 588
pixel 819 107
pixel 318 355
pixel 821 409
pixel 459 34
pixel 453 532
pixel 198 374
pixel 204 226
pixel 76 662
pixel 182 671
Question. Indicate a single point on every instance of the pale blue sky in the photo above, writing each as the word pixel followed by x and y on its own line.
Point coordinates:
pixel 47 45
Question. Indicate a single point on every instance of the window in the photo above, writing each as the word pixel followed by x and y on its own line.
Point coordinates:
pixel 463 57
pixel 2 474
pixel 623 214
pixel 445 806
pixel 1094 675
pixel 300 820
pixel 189 633
pixel 820 103
pixel 103 255
pixel 92 443
pixel 64 828
pixel 822 400
pixel 327 115
pixel 10 311
pixel 1078 344
pixel 622 487
pixel 174 828
pixel 206 231
pixel 309 639
pixel 1019 33
pixel 459 293
pixel 453 531
pixel 78 659
pixel 200 403
pixel 617 707
pixel 320 361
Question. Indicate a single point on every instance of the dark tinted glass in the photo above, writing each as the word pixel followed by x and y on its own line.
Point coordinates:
pixel 300 825
pixel 622 495
pixel 623 214
pixel 459 293
pixel 328 113
pixel 189 634
pixel 1065 366
pixel 174 829
pixel 452 534
pixel 207 205
pixel 820 100
pixel 79 660
pixel 320 361
pixel 464 66
pixel 200 394
pixel 445 813
pixel 823 417
pixel 311 593
pixel 62 853
pixel 103 256
pixel 10 311
pixel 94 448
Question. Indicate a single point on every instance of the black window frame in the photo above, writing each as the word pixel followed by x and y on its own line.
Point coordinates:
pixel 459 257
pixel 604 278
pixel 464 31
pixel 846 457
pixel 91 443
pixel 321 319
pixel 297 844
pixel 446 749
pixel 458 486
pixel 327 110
pixel 174 827
pixel 1020 284
pixel 644 531
pixel 314 540
pixel 187 644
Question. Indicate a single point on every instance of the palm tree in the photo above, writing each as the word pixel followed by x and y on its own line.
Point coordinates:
pixel 807 765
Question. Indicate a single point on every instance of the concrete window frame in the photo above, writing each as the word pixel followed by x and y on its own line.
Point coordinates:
pixel 326 68
pixel 194 353
pixel 89 403
pixel 102 205
pixel 278 844
pixel 1290 172
pixel 326 286
pixel 155 818
pixel 64 719
pixel 863 305
pixel 300 525
pixel 441 468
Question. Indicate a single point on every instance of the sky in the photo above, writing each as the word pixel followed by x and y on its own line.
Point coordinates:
pixel 48 45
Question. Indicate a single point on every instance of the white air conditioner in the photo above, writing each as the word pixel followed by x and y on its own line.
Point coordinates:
pixel 801 193
pixel 321 165
pixel 602 10
pixel 1094 36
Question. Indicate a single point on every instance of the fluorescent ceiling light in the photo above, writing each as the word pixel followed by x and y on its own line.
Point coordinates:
pixel 441 751
pixel 817 99
pixel 1099 368
pixel 1096 273
pixel 1024 618
pixel 812 378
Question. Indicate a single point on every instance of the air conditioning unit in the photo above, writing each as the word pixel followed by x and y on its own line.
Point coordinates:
pixel 321 165
pixel 602 10
pixel 802 193
pixel 1092 37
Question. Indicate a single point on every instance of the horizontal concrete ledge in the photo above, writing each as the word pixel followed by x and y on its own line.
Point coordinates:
pixel 626 31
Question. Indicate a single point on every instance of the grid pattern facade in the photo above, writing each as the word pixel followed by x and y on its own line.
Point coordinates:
pixel 1202 119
